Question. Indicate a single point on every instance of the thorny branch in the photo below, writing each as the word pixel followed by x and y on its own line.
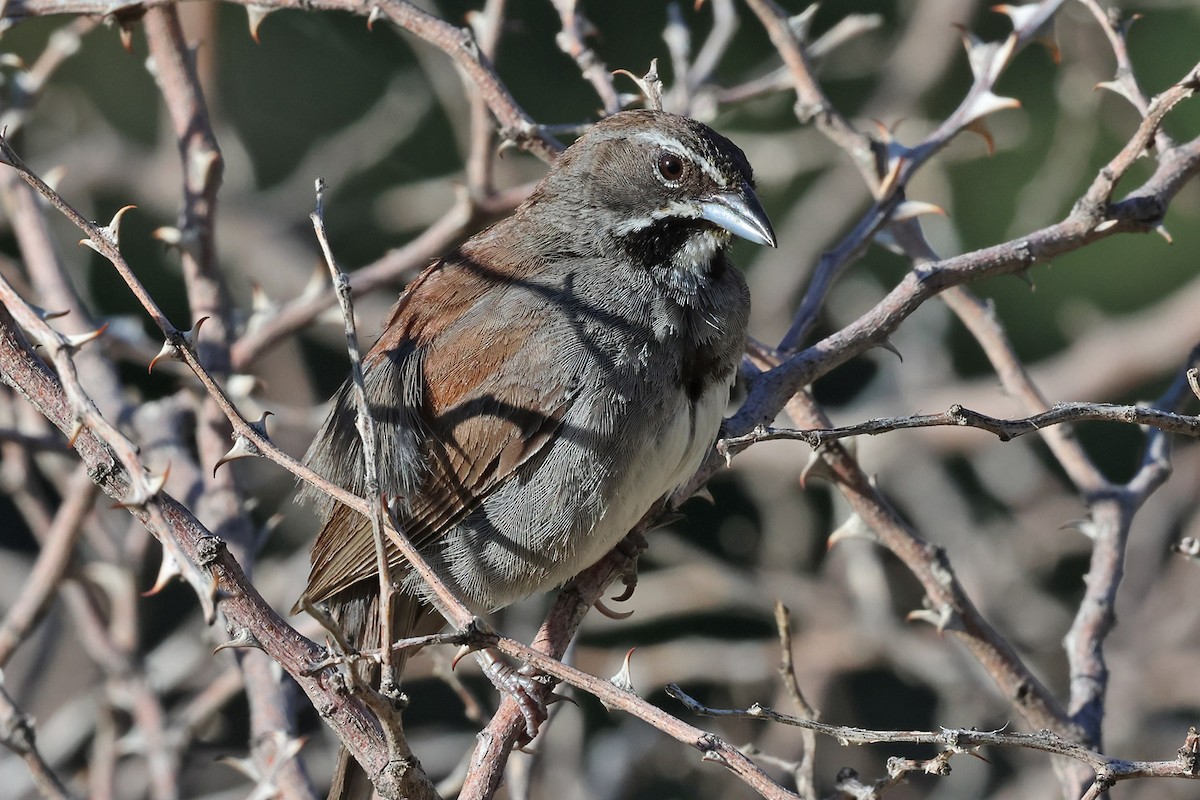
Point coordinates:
pixel 364 423
pixel 957 416
pixel 194 240
pixel 887 167
pixel 958 741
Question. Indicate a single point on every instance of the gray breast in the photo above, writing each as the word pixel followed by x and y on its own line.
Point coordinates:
pixel 634 431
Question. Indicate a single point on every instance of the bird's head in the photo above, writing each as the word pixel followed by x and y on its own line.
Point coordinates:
pixel 667 190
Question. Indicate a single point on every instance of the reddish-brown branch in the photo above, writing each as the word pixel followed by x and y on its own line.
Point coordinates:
pixel 239 601
pixel 506 726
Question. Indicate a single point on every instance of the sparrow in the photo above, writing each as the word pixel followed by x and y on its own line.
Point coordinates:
pixel 536 390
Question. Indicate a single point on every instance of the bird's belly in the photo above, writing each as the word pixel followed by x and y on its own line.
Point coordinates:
pixel 667 460
pixel 547 526
pixel 668 454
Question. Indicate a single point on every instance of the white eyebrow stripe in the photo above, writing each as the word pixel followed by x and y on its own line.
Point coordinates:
pixel 675 146
pixel 675 209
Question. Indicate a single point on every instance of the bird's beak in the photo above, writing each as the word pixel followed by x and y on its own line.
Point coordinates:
pixel 740 213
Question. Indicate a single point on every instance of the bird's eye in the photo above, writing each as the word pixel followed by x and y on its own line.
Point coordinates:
pixel 670 166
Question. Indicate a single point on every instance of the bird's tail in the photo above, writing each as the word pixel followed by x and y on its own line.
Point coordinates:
pixel 357 612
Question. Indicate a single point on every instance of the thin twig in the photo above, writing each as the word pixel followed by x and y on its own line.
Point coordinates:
pixel 966 740
pixel 1124 82
pixel 397 264
pixel 949 606
pixel 481 152
pixel 240 602
pixel 957 416
pixel 1141 211
pixel 104 242
pixel 711 747
pixel 889 166
pixel 17 734
pixel 804 771
pixel 364 423
pixel 570 40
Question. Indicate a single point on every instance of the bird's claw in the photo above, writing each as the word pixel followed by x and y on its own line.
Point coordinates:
pixel 525 686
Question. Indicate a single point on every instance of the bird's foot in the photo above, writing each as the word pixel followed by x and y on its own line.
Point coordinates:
pixel 525 686
pixel 630 548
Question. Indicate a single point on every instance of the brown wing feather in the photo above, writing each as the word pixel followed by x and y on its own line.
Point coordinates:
pixel 490 423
